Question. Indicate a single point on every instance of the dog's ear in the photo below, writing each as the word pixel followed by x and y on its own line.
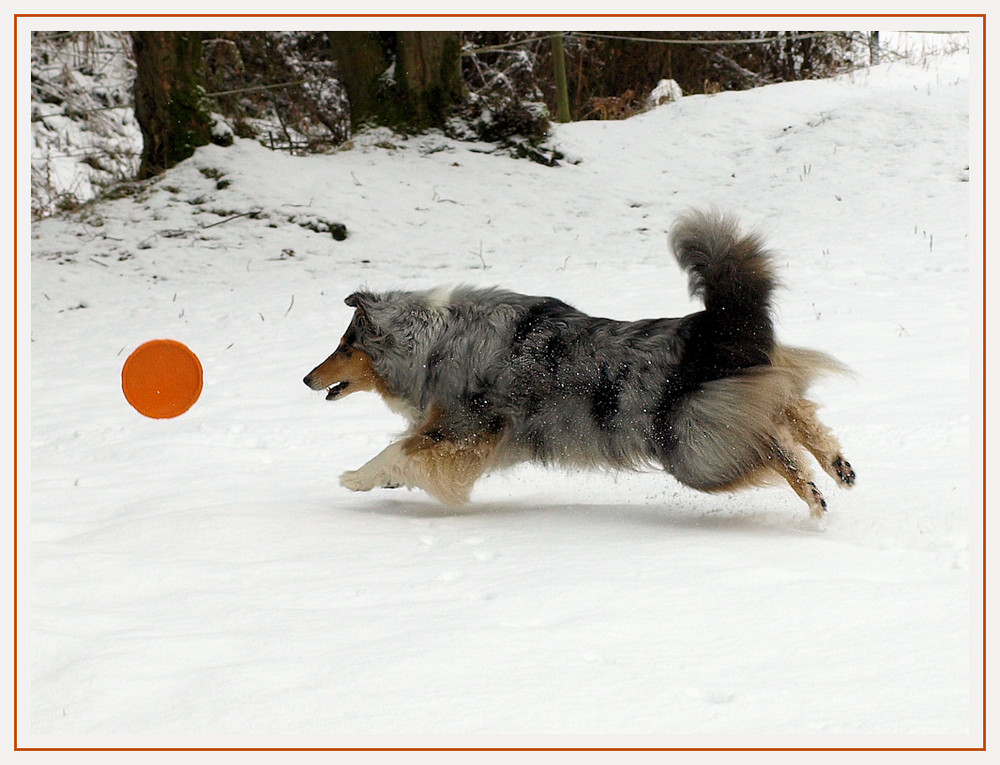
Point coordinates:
pixel 366 305
pixel 360 300
pixel 373 316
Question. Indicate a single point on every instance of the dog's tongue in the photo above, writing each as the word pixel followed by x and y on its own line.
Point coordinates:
pixel 333 392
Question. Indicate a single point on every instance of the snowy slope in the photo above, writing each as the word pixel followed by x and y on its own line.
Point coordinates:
pixel 205 580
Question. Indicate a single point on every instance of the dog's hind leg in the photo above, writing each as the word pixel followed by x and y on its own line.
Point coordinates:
pixel 807 430
pixel 785 460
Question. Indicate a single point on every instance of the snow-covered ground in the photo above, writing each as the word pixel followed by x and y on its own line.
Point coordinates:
pixel 206 581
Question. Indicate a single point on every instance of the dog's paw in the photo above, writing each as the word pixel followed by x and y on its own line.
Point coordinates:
pixel 816 501
pixel 366 480
pixel 843 471
pixel 357 480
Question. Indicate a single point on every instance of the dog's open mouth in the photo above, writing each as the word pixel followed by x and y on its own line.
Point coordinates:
pixel 335 390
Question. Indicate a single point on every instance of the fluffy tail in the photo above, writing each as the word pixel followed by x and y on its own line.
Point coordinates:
pixel 732 274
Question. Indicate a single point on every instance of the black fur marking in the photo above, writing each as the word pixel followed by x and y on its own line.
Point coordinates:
pixel 663 436
pixel 483 412
pixel 533 403
pixel 645 328
pixel 684 379
pixel 537 444
pixel 434 359
pixel 718 347
pixel 605 402
pixel 541 312
pixel 554 353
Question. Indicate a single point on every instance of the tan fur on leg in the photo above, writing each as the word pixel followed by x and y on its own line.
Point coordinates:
pixel 807 430
pixel 787 462
pixel 446 469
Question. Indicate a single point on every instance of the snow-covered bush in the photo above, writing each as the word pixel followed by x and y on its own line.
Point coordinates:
pixel 280 88
pixel 84 134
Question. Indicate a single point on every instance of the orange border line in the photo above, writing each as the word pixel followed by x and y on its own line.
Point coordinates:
pixel 501 16
pixel 15 382
pixel 981 16
pixel 984 380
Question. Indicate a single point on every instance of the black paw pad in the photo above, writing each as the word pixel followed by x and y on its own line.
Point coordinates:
pixel 844 471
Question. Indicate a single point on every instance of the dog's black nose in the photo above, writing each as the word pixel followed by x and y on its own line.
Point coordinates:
pixel 307 380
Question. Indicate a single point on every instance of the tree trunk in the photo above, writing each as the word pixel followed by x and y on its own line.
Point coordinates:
pixel 873 48
pixel 170 104
pixel 406 80
pixel 429 73
pixel 361 61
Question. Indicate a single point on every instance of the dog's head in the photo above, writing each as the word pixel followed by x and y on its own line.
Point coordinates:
pixel 350 369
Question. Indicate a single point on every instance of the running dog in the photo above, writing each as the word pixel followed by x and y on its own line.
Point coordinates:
pixel 490 378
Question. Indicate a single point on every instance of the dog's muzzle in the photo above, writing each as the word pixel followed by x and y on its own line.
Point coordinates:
pixel 335 390
pixel 332 391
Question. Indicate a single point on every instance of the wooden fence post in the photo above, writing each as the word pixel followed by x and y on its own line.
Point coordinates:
pixel 559 65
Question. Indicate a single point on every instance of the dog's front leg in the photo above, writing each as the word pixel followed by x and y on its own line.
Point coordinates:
pixel 384 470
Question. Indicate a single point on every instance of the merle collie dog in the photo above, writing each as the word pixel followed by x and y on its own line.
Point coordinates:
pixel 490 378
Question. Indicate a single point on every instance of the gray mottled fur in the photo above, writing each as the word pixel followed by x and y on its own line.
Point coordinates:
pixel 705 397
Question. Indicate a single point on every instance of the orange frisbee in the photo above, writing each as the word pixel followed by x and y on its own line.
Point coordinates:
pixel 162 378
